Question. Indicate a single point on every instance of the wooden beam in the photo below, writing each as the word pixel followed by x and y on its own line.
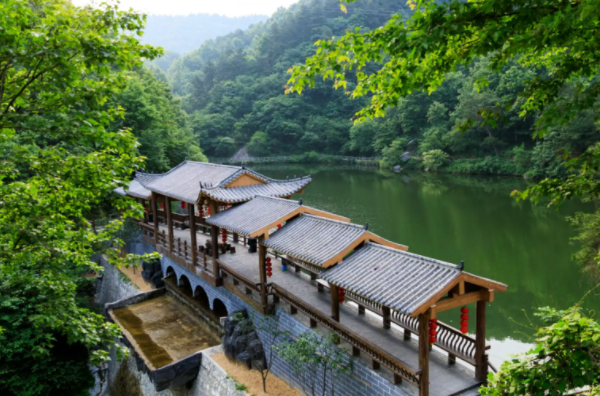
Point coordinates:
pixel 155 216
pixel 191 210
pixel 459 301
pixel 483 282
pixel 169 222
pixel 481 364
pixel 424 352
pixel 335 302
pixel 262 270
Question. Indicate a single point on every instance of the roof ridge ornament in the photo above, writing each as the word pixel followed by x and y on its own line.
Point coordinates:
pixel 462 265
pixel 300 202
pixel 366 226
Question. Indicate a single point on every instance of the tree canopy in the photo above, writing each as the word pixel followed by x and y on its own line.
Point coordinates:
pixel 60 69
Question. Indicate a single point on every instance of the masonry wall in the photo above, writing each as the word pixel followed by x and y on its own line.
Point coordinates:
pixel 113 286
pixel 362 382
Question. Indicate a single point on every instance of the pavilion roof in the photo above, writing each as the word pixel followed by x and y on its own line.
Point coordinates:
pixel 190 180
pixel 321 241
pixel 135 189
pixel 406 282
pixel 256 217
pixel 273 188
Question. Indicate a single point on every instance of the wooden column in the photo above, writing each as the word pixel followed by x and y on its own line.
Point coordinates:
pixel 335 302
pixel 192 220
pixel 145 218
pixel 236 237
pixel 155 217
pixel 387 321
pixel 481 363
pixel 214 241
pixel 424 352
pixel 169 222
pixel 262 269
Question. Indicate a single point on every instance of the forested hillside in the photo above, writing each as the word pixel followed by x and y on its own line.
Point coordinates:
pixel 182 34
pixel 234 88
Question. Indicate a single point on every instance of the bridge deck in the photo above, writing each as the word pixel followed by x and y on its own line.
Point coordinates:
pixel 445 379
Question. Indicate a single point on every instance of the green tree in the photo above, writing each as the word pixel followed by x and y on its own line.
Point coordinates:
pixel 59 160
pixel 565 357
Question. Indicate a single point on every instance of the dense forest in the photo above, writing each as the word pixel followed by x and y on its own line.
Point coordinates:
pixel 233 87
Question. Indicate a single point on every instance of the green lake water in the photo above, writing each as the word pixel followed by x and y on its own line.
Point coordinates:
pixel 470 218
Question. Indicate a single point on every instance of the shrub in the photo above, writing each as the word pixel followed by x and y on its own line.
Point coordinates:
pixel 434 159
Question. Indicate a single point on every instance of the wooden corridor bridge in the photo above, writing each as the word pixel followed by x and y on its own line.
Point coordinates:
pixel 380 299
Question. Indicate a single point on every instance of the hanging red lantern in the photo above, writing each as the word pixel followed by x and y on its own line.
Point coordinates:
pixel 183 204
pixel 201 211
pixel 208 210
pixel 341 295
pixel 464 324
pixel 161 206
pixel 269 267
pixel 278 226
pixel 223 235
pixel 228 206
pixel 147 209
pixel 433 330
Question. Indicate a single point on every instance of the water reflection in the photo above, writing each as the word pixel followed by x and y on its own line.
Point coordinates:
pixel 468 218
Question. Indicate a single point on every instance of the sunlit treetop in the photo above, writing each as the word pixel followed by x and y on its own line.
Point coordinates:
pixel 560 37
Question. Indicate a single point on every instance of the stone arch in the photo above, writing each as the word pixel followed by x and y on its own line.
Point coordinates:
pixel 201 296
pixel 170 272
pixel 219 308
pixel 185 285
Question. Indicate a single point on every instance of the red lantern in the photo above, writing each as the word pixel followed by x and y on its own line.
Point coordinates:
pixel 208 210
pixel 147 209
pixel 223 235
pixel 341 295
pixel 201 211
pixel 228 206
pixel 269 267
pixel 464 323
pixel 278 226
pixel 161 206
pixel 183 204
pixel 432 330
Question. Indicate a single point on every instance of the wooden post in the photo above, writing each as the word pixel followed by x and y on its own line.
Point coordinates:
pixel 262 270
pixel 145 218
pixel 335 302
pixel 169 222
pixel 192 220
pixel 407 335
pixel 361 309
pixel 481 365
pixel 424 352
pixel 386 313
pixel 236 237
pixel 155 216
pixel 214 240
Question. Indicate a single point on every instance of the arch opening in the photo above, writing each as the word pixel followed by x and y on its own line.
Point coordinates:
pixel 219 308
pixel 170 272
pixel 202 298
pixel 185 286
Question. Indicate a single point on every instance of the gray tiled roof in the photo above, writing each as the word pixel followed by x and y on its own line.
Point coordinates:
pixel 135 189
pixel 274 188
pixel 253 215
pixel 314 239
pixel 186 180
pixel 183 181
pixel 399 280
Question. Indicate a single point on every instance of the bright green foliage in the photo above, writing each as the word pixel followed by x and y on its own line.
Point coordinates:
pixel 566 356
pixel 155 117
pixel 59 67
pixel 434 159
pixel 560 36
pixel 314 358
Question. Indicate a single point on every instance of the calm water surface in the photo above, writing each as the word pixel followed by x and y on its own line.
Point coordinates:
pixel 454 218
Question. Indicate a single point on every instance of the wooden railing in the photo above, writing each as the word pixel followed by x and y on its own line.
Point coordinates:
pixel 397 366
pixel 449 339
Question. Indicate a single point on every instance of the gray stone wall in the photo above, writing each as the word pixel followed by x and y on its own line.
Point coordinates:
pixel 212 379
pixel 113 286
